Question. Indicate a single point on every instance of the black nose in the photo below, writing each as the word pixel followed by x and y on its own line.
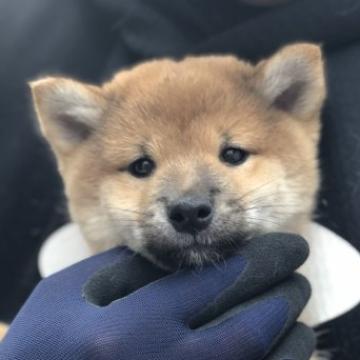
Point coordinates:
pixel 190 215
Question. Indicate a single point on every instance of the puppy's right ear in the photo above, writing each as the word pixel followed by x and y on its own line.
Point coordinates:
pixel 68 111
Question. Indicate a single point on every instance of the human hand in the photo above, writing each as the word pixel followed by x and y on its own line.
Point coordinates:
pixel 174 317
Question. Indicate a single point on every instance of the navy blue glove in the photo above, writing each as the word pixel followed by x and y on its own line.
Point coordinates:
pixel 220 312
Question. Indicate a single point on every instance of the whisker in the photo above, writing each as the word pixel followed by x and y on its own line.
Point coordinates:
pixel 262 195
pixel 294 174
pixel 124 210
pixel 257 220
pixel 276 206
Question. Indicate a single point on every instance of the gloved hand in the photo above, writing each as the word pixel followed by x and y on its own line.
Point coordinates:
pixel 174 317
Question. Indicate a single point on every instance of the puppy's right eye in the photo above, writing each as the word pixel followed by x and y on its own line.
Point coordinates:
pixel 142 167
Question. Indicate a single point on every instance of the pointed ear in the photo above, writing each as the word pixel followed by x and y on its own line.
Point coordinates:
pixel 68 111
pixel 293 80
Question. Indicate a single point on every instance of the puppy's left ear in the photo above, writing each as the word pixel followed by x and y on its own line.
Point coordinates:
pixel 293 80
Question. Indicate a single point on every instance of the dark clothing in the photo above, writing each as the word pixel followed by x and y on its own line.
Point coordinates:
pixel 90 39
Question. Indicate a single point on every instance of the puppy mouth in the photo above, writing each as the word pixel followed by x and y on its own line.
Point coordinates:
pixel 177 256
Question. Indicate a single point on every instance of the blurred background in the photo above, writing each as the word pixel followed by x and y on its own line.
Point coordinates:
pixel 90 39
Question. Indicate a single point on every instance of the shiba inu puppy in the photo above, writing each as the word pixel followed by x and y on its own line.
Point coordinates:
pixel 182 161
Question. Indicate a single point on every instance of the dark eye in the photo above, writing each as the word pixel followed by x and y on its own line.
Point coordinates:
pixel 234 156
pixel 142 167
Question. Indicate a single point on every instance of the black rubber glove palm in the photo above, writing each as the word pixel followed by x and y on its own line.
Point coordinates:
pixel 269 273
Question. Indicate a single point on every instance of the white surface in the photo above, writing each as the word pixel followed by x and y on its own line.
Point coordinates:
pixel 65 247
pixel 333 268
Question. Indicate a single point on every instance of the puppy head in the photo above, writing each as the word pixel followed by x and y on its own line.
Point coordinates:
pixel 183 160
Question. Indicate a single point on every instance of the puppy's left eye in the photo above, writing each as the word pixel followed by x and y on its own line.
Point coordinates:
pixel 234 156
pixel 142 167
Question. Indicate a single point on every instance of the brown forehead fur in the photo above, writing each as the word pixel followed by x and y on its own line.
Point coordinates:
pixel 170 104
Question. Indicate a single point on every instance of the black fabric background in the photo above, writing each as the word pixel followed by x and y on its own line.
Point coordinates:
pixel 90 39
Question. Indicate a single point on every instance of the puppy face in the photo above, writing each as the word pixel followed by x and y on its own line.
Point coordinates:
pixel 183 161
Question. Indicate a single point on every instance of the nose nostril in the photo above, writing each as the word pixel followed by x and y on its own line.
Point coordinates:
pixel 177 217
pixel 204 212
pixel 190 216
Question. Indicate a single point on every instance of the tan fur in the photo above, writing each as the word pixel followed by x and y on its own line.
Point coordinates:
pixel 181 112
